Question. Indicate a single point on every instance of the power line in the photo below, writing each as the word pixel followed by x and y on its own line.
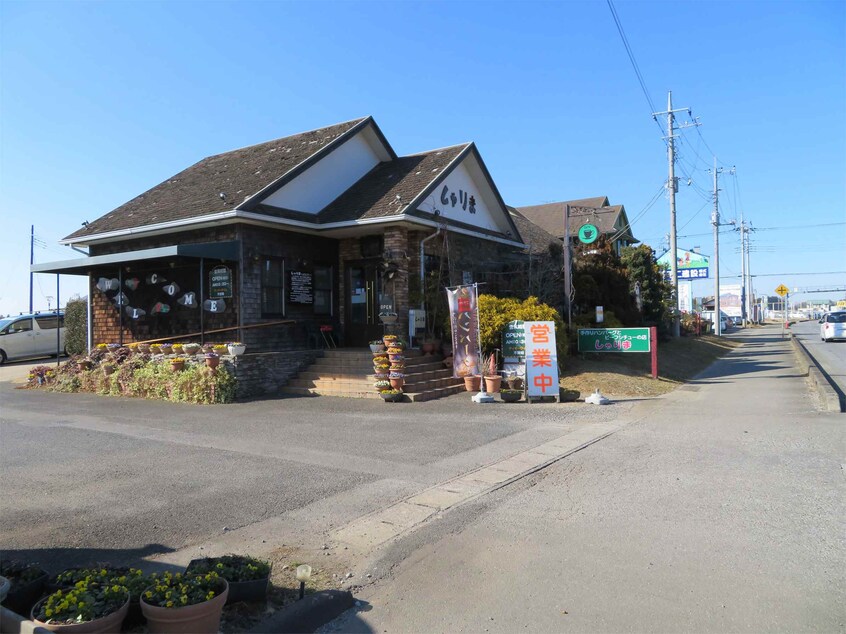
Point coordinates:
pixel 632 59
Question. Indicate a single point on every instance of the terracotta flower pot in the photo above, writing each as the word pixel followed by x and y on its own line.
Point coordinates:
pixel 202 618
pixel 177 366
pixel 388 340
pixel 397 383
pixel 472 383
pixel 492 384
pixel 105 625
pixel 428 347
pixel 212 362
pixel 166 349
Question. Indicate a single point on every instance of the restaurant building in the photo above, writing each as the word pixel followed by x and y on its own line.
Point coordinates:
pixel 280 243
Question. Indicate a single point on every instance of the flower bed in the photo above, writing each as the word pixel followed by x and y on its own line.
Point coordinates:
pixel 121 372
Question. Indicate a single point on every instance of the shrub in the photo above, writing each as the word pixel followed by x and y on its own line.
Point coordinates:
pixel 76 325
pixel 496 312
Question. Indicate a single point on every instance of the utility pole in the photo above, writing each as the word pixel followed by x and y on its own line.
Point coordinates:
pixel 31 261
pixel 715 220
pixel 672 188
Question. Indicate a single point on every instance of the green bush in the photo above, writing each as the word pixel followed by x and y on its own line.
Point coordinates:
pixel 496 312
pixel 76 325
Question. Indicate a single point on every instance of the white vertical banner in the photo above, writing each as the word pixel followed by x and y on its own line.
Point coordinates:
pixel 541 358
pixel 685 296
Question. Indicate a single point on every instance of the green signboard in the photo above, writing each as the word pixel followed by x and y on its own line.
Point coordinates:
pixel 220 282
pixel 614 340
pixel 588 234
pixel 514 341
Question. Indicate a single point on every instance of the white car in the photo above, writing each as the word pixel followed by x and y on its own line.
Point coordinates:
pixel 32 335
pixel 833 326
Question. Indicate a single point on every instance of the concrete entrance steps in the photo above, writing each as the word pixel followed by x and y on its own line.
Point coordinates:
pixel 349 373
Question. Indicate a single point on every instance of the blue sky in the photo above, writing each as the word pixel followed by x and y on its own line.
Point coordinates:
pixel 102 100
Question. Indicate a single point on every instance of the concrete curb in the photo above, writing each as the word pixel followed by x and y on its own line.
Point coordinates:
pixel 818 381
pixel 307 615
pixel 13 623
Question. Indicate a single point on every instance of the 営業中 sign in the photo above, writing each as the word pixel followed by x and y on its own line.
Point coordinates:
pixel 541 358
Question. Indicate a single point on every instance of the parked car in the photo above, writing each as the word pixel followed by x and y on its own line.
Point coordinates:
pixel 833 326
pixel 32 335
pixel 725 321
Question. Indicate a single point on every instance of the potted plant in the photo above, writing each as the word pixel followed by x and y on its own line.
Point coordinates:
pixel 185 603
pixel 191 348
pixel 177 364
pixel 212 359
pixel 511 396
pixel 236 348
pixel 156 348
pixel 177 348
pixel 389 340
pixel 568 396
pixel 397 379
pixel 473 383
pixel 382 384
pixel 220 348
pixel 166 348
pixel 247 576
pixel 377 345
pixel 144 347
pixel 391 395
pixel 388 318
pixel 134 580
pixel 93 604
pixel 492 377
pixel 26 583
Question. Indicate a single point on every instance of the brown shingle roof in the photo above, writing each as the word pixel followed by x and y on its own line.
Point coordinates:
pixel 375 195
pixel 536 239
pixel 238 174
pixel 550 216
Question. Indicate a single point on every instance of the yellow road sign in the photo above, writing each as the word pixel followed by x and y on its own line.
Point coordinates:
pixel 782 290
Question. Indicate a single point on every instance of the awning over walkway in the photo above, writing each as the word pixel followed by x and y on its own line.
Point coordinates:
pixel 230 251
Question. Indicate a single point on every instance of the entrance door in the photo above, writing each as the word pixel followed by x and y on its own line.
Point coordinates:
pixel 362 323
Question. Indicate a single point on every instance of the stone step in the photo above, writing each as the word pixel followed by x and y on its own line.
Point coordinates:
pixel 358 367
pixel 415 397
pixel 362 353
pixel 316 373
pixel 412 384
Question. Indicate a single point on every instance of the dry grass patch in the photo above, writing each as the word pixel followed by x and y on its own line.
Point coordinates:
pixel 630 374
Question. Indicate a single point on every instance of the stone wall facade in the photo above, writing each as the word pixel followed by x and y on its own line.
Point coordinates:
pixel 267 372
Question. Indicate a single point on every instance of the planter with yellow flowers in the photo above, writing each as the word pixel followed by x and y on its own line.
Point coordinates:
pixel 248 577
pixel 182 603
pixel 92 604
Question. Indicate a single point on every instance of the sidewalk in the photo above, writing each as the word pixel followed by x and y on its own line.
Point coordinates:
pixel 723 510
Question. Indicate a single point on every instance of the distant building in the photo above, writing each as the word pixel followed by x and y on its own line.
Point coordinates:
pixel 610 220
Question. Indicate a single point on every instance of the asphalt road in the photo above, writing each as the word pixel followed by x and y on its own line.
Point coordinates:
pixel 830 355
pixel 88 477
pixel 723 511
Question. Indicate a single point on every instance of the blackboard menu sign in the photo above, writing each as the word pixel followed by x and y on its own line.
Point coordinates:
pixel 220 282
pixel 300 287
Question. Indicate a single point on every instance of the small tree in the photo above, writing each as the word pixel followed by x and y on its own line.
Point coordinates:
pixel 76 325
pixel 656 292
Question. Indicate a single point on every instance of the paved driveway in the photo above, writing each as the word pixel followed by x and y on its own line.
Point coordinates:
pixel 92 477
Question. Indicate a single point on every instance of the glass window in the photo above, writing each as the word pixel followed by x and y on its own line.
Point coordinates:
pixel 21 325
pixel 48 322
pixel 323 290
pixel 273 287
